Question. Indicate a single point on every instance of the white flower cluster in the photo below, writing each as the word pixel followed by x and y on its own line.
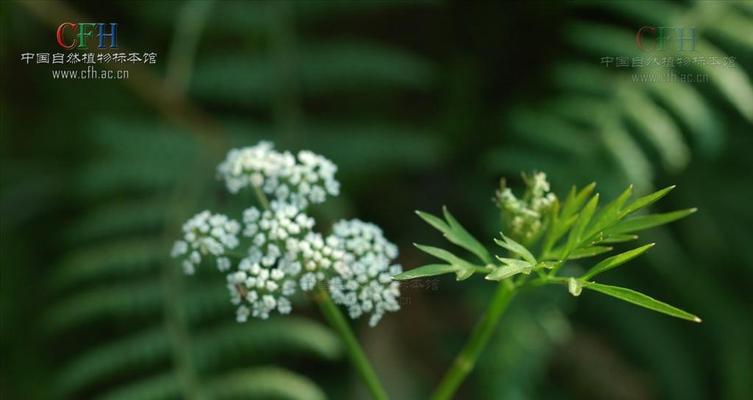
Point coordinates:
pixel 364 281
pixel 283 254
pixel 206 234
pixel 526 216
pixel 297 180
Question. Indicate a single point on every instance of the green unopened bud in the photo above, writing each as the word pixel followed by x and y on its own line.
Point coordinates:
pixel 574 286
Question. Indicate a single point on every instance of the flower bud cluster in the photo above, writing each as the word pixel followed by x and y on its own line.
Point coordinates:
pixel 526 216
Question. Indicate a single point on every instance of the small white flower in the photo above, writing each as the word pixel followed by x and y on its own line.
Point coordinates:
pixel 242 313
pixel 179 248
pixel 223 264
pixel 283 306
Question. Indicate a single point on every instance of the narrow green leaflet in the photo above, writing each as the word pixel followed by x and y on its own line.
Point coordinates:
pixel 640 299
pixel 516 248
pixel 510 267
pixel 575 199
pixel 427 270
pixel 577 253
pixel 464 239
pixel 584 217
pixel 441 254
pixel 647 221
pixel 610 213
pixel 618 238
pixel 558 229
pixel 567 216
pixel 646 200
pixel 615 261
pixel 463 269
pixel 434 221
pixel 456 233
pixel 590 251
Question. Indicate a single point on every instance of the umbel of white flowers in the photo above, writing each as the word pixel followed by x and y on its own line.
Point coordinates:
pixel 274 253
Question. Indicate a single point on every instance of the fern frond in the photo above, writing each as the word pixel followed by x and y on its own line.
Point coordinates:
pixel 119 258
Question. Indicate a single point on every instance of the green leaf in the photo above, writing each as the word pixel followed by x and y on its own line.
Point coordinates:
pixel 118 218
pixel 615 261
pixel 257 341
pixel 393 146
pixel 142 350
pixel 157 387
pixel 640 299
pixel 657 127
pixel 116 258
pixel 455 233
pixel 434 221
pixel 610 213
pixel 462 238
pixel 442 254
pixel 584 217
pixel 510 267
pixel 646 200
pixel 106 301
pixel 618 238
pixel 516 248
pixel 463 269
pixel 581 252
pixel 626 152
pixel 558 229
pixel 426 270
pixel 648 221
pixel 328 67
pixel 585 252
pixel 575 199
pixel 264 382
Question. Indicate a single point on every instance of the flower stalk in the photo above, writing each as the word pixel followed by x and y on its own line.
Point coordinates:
pixel 358 358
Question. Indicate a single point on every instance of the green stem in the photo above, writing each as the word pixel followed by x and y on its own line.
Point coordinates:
pixel 335 318
pixel 466 360
pixel 263 200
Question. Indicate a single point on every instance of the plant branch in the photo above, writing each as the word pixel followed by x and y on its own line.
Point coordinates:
pixel 466 360
pixel 335 318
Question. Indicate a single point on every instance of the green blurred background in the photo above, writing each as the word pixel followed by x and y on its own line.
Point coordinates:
pixel 420 105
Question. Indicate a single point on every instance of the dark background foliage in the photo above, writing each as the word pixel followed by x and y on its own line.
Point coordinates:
pixel 420 105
